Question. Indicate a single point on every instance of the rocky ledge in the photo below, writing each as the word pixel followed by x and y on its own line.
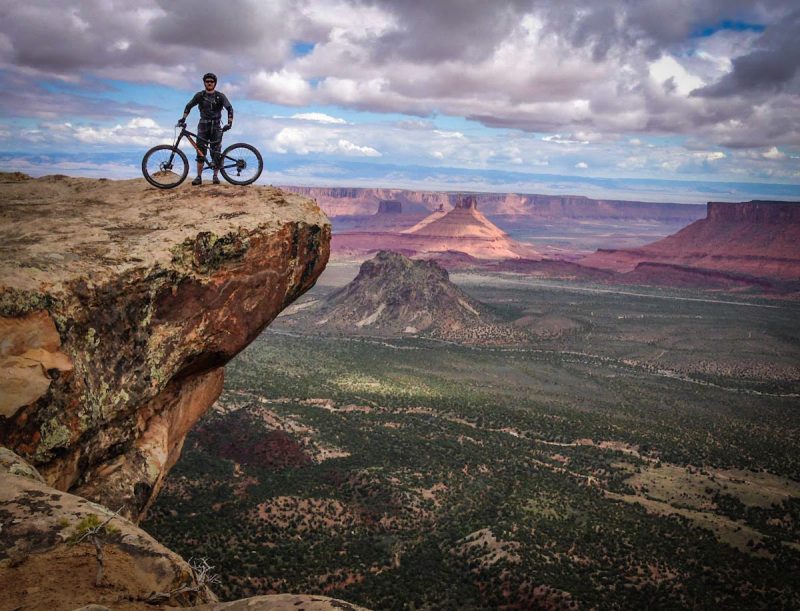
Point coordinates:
pixel 119 306
pixel 60 551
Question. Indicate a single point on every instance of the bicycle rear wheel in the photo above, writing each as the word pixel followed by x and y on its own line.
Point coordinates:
pixel 241 164
pixel 165 166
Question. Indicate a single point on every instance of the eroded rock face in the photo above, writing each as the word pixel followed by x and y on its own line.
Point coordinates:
pixel 348 202
pixel 462 229
pixel 45 565
pixel 119 306
pixel 390 206
pixel 394 296
pixel 758 239
pixel 30 355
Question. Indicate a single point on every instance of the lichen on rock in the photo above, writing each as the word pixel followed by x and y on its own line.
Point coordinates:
pixel 15 465
pixel 207 252
pixel 44 564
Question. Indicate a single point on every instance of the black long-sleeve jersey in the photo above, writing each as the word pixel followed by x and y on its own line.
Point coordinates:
pixel 210 105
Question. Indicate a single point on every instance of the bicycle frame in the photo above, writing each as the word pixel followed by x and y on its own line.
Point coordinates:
pixel 209 163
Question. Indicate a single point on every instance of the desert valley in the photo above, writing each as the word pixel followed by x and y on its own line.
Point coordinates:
pixel 506 401
pixel 555 403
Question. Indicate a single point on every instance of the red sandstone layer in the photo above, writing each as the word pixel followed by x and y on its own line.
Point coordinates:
pixel 756 238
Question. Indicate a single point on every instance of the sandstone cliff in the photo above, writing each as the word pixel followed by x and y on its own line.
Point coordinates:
pixel 351 201
pixel 463 229
pixel 119 306
pixel 341 201
pixel 757 239
pixel 394 295
pixel 392 216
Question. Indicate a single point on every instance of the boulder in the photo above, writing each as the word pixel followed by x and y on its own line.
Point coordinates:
pixel 45 563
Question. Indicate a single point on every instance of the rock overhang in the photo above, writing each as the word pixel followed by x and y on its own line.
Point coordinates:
pixel 150 293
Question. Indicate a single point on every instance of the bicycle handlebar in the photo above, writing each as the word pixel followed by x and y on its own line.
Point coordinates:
pixel 182 124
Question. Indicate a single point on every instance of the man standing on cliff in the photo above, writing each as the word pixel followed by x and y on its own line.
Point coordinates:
pixel 211 103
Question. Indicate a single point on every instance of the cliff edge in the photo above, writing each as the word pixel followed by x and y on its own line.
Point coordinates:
pixel 120 305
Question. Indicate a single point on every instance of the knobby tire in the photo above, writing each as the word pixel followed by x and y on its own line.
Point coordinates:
pixel 241 164
pixel 156 170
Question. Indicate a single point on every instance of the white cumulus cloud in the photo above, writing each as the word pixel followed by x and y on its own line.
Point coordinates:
pixel 710 156
pixel 281 87
pixel 774 154
pixel 137 132
pixel 672 75
pixel 319 117
pixel 305 141
pixel 348 147
pixel 559 139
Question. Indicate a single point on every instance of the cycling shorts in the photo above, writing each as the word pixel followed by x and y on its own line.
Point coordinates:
pixel 209 131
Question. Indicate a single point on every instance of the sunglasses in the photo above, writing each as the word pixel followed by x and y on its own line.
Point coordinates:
pixel 212 82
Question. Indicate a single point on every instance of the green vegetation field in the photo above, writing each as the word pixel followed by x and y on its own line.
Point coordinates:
pixel 641 451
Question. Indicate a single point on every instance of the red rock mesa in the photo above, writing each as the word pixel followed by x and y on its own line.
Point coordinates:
pixel 757 238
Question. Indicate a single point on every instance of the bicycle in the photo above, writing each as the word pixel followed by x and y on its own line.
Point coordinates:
pixel 166 166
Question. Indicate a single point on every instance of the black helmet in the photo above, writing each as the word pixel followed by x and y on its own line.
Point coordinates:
pixel 210 76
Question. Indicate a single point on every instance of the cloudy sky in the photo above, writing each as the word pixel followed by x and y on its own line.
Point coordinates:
pixel 663 100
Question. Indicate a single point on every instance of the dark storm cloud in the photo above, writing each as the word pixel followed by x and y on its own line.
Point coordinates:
pixel 221 26
pixel 471 29
pixel 48 38
pixel 670 22
pixel 650 25
pixel 771 66
pixel 535 65
pixel 594 28
pixel 452 38
pixel 96 34
pixel 446 29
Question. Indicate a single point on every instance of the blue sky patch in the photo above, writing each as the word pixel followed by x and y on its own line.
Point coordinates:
pixel 727 24
pixel 301 48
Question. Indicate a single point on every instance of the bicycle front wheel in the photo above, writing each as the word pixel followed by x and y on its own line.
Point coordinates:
pixel 241 164
pixel 165 166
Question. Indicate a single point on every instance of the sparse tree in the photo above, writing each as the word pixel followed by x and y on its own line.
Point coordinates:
pixel 97 533
pixel 203 578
